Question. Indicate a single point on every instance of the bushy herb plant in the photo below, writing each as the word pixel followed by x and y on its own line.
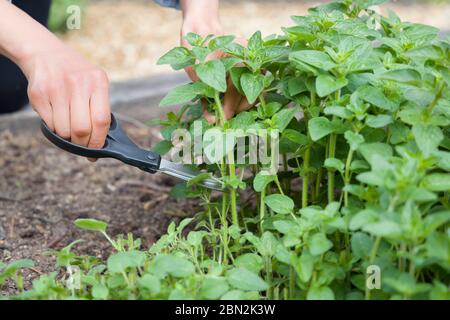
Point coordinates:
pixel 362 104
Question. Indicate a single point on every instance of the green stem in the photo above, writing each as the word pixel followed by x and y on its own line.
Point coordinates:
pixel 269 277
pixel 292 277
pixel 305 187
pixel 347 175
pixel 438 96
pixel 262 209
pixel 373 255
pixel 331 154
pixel 318 183
pixel 234 215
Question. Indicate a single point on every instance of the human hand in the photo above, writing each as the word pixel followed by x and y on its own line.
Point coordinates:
pixel 69 93
pixel 202 17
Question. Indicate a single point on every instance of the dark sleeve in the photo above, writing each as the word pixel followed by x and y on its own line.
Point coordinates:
pixel 169 3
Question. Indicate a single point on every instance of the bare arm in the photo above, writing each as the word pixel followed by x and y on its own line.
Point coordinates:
pixel 69 93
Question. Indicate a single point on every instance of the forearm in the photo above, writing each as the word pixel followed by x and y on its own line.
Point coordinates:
pixel 201 13
pixel 21 37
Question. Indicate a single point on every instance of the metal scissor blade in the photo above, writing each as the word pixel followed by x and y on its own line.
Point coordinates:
pixel 184 173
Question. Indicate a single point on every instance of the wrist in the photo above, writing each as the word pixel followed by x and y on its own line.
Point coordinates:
pixel 201 17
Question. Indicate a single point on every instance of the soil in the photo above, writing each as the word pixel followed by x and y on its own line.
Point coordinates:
pixel 43 190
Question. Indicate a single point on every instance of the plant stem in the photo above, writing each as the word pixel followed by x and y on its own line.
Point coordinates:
pixel 234 216
pixel 331 154
pixel 269 277
pixel 318 183
pixel 306 177
pixel 373 255
pixel 347 175
pixel 262 209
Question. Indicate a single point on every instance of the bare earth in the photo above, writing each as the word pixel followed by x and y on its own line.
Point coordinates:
pixel 127 37
pixel 43 190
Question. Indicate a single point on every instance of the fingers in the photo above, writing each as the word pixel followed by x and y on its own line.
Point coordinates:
pixel 100 112
pixel 80 116
pixel 191 74
pixel 41 104
pixel 231 101
pixel 244 105
pixel 208 117
pixel 59 100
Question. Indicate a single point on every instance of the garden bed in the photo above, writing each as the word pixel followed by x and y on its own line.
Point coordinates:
pixel 43 190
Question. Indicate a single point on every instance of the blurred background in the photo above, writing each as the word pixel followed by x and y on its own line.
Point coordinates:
pixel 127 37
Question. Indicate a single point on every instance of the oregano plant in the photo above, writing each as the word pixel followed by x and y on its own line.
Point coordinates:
pixel 358 207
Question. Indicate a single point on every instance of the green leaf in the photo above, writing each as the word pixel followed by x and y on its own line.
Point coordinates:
pixel 149 282
pixel 91 224
pixel 235 75
pixel 200 53
pixel 178 58
pixel 193 39
pixel 243 279
pixel 162 147
pixel 255 42
pixel 401 75
pixel 320 127
pixel 242 121
pixel 353 139
pixel 437 182
pixel 250 261
pixel 319 244
pixel 376 97
pixel 198 179
pixel 295 136
pixel 406 284
pixel 282 118
pixel 214 287
pixel 100 291
pixel 427 137
pixel 378 121
pixel 167 264
pixel 304 266
pixel 279 203
pixel 362 218
pixel 361 245
pixel 326 84
pixel 220 42
pixel 438 246
pixel 213 74
pixel 314 58
pixel 320 293
pixel 184 93
pixel 261 180
pixel 121 261
pixel 339 112
pixel 383 228
pixel 370 150
pixel 252 85
pixel 334 164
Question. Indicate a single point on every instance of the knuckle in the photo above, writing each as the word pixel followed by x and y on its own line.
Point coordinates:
pixel 64 133
pixel 100 77
pixel 82 130
pixel 37 91
pixel 102 120
pixel 96 143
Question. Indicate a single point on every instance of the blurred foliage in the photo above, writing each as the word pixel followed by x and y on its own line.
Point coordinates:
pixel 59 13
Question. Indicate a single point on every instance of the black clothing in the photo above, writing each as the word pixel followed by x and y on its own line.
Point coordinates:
pixel 13 85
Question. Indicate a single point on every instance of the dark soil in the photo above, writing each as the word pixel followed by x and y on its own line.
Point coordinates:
pixel 43 190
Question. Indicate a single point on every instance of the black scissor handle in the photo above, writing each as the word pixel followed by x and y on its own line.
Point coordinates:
pixel 117 145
